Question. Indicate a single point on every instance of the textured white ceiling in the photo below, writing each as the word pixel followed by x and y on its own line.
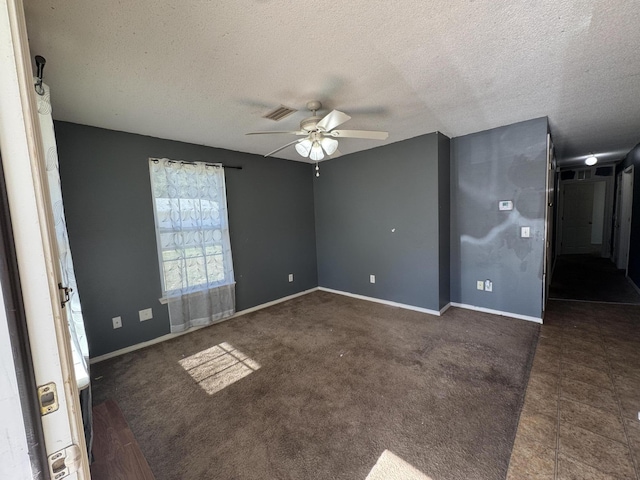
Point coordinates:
pixel 205 72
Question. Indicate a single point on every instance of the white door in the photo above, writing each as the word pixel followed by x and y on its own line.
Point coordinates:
pixel 577 216
pixel 624 220
pixel 23 163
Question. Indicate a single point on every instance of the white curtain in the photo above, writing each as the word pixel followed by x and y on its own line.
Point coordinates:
pixel 190 208
pixel 73 309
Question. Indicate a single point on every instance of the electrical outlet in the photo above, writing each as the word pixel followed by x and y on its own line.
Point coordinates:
pixel 291 277
pixel 488 286
pixel 117 322
pixel 372 279
pixel 146 314
pixel 480 284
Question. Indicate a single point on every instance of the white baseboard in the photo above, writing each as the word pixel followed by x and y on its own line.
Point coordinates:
pixel 497 312
pixel 384 302
pixel 169 336
pixel 445 308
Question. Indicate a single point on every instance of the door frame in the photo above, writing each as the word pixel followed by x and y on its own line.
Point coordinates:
pixel 624 208
pixel 32 220
pixel 615 253
pixel 549 222
pixel 19 356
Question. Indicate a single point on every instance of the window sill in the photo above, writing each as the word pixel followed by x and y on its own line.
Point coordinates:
pixel 165 300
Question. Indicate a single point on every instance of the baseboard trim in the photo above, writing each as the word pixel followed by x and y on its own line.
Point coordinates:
pixel 445 308
pixel 633 284
pixel 497 312
pixel 384 302
pixel 169 336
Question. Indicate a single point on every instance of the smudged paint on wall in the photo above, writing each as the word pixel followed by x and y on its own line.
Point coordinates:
pixel 506 163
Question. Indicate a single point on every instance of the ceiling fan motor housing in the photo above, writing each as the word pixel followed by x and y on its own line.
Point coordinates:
pixel 309 124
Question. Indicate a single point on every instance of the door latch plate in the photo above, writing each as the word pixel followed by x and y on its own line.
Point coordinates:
pixel 48 398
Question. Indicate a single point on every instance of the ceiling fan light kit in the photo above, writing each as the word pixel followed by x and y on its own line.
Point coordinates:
pixel 329 145
pixel 303 147
pixel 320 134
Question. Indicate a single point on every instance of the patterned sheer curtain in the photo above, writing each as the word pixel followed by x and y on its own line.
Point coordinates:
pixel 194 250
pixel 73 309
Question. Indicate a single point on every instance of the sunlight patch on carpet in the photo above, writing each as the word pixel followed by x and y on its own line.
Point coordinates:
pixel 392 467
pixel 218 367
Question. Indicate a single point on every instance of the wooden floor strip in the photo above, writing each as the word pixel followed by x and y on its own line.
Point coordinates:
pixel 116 453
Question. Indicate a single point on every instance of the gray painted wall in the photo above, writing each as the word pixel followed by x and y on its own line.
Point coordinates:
pixel 361 198
pixel 506 163
pixel 107 194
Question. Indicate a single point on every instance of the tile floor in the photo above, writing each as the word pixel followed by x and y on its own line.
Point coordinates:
pixel 580 414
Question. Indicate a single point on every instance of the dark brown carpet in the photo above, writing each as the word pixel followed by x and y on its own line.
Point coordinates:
pixel 590 278
pixel 339 381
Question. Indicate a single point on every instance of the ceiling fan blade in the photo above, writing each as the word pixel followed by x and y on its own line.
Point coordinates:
pixel 291 132
pixel 281 148
pixel 332 120
pixel 370 134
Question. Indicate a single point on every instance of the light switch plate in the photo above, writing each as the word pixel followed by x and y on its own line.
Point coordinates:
pixel 146 314
pixel 372 279
pixel 480 285
pixel 525 232
pixel 291 277
pixel 117 322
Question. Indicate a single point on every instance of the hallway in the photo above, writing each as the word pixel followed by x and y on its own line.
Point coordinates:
pixel 591 278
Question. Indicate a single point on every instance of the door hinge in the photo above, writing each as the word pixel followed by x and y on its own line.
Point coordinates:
pixel 67 291
pixel 48 398
pixel 65 462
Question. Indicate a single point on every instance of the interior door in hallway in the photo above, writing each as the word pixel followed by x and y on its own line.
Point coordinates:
pixel 582 220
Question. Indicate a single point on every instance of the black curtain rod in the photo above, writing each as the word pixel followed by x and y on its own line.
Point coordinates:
pixel 206 163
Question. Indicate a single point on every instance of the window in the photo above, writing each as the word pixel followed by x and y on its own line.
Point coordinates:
pixel 192 229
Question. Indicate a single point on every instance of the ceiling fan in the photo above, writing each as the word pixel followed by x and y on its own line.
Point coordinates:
pixel 319 134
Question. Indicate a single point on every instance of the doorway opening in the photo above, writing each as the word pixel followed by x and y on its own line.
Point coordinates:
pixel 593 237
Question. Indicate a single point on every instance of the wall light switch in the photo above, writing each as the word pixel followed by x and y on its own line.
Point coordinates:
pixel 372 278
pixel 291 277
pixel 480 284
pixel 117 322
pixel 145 314
pixel 525 232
